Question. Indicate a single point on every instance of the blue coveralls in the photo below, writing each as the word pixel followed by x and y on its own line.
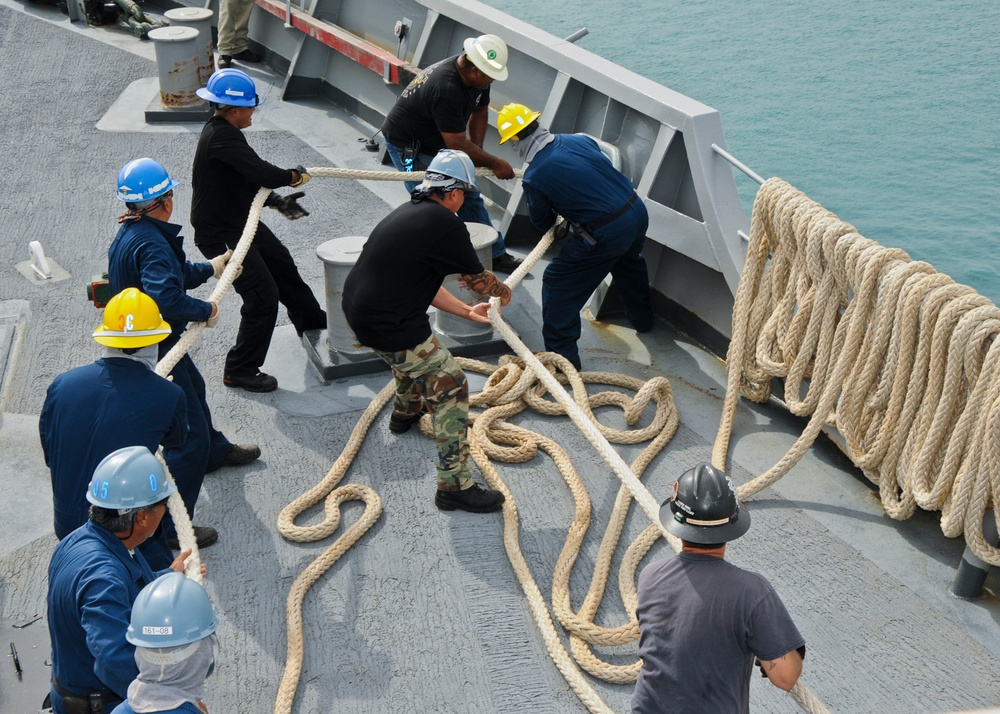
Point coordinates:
pixel 572 178
pixel 93 582
pixel 148 254
pixel 93 410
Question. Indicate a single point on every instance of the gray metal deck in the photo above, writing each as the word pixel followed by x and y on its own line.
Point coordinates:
pixel 424 614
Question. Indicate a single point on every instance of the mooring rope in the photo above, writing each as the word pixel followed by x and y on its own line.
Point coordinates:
pixel 898 357
pixel 514 385
pixel 526 379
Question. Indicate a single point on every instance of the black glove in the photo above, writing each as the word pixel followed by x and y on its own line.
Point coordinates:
pixel 288 206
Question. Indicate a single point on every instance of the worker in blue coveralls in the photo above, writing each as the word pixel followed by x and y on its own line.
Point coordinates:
pixel 446 106
pixel 117 401
pixel 148 253
pixel 173 630
pixel 569 176
pixel 95 574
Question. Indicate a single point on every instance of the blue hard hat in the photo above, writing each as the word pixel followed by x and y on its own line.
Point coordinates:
pixel 231 87
pixel 172 610
pixel 129 478
pixel 143 180
pixel 451 168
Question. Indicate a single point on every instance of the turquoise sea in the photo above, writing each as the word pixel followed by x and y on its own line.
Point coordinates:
pixel 887 112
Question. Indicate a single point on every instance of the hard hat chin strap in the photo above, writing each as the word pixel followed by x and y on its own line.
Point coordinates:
pixel 134 214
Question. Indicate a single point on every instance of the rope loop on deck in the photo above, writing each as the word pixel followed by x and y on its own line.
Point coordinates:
pixel 898 357
pixel 514 385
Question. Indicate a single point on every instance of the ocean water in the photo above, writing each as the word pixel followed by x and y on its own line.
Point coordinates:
pixel 887 113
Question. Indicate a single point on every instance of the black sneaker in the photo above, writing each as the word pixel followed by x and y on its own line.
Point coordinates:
pixel 474 499
pixel 203 535
pixel 241 455
pixel 506 263
pixel 225 61
pixel 259 382
pixel 642 326
pixel 401 424
pixel 247 55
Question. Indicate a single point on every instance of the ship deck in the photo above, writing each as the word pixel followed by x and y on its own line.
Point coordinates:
pixel 424 613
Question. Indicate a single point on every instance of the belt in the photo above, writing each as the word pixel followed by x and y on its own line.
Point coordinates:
pixel 600 223
pixel 107 696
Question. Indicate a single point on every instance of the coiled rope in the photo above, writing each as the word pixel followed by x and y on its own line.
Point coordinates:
pixel 898 357
pixel 512 386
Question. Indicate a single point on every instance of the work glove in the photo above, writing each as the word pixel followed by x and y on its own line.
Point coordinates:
pixel 213 320
pixel 288 206
pixel 303 177
pixel 219 263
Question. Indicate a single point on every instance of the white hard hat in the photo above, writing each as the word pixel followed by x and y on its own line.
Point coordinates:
pixel 489 54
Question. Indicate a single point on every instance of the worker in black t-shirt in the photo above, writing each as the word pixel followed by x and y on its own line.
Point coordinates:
pixel 447 106
pixel 227 175
pixel 398 275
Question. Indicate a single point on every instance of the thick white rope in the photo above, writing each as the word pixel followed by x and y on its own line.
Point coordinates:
pixel 897 356
pixel 632 488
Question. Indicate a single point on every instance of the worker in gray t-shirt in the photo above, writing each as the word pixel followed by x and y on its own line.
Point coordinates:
pixel 703 620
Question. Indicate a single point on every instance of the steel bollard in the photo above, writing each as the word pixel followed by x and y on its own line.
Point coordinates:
pixel 339 256
pixel 177 54
pixel 483 237
pixel 972 572
pixel 201 20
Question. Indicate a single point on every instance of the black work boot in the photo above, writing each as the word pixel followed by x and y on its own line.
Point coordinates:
pixel 241 455
pixel 474 499
pixel 258 382
pixel 204 536
pixel 506 263
pixel 399 423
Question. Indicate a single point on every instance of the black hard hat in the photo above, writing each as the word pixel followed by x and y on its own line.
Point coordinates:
pixel 704 508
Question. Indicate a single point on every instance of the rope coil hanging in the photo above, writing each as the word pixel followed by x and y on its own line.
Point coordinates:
pixel 898 357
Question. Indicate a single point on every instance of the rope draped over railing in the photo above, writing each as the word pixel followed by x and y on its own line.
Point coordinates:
pixel 898 357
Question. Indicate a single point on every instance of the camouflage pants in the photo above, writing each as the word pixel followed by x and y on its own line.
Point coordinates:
pixel 428 376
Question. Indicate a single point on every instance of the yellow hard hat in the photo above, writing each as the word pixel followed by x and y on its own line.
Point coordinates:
pixel 131 319
pixel 513 118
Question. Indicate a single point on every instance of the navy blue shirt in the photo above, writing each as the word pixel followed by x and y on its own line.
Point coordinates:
pixel 94 410
pixel 93 581
pixel 571 177
pixel 148 254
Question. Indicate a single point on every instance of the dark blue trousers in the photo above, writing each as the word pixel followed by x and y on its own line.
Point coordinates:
pixel 578 269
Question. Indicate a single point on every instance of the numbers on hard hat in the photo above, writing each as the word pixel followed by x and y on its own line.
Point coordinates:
pixel 131 319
